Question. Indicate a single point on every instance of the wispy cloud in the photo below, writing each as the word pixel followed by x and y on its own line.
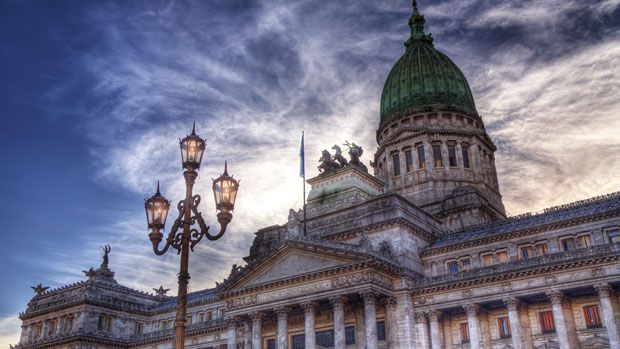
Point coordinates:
pixel 253 75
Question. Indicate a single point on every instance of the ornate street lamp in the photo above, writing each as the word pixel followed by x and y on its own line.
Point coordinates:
pixel 182 237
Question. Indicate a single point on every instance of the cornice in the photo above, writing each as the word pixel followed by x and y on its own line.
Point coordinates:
pixel 519 233
pixel 596 255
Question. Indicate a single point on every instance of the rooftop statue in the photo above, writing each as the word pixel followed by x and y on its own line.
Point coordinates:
pixel 329 163
pixel 39 289
pixel 355 152
pixel 161 291
pixel 106 251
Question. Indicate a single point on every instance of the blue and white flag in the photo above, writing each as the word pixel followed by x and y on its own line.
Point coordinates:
pixel 302 161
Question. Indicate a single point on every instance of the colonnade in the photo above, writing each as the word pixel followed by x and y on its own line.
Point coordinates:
pixel 430 336
pixel 370 337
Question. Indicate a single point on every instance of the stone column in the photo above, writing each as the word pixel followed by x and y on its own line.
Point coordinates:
pixel 557 306
pixel 360 327
pixel 447 333
pixel 605 293
pixel 282 332
pixel 309 310
pixel 516 332
pixel 339 338
pixel 257 333
pixel 472 323
pixel 390 322
pixel 247 335
pixel 231 337
pixel 435 334
pixel 370 316
pixel 422 331
pixel 404 318
pixel 485 329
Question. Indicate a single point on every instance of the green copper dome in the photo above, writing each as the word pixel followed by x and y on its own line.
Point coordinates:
pixel 424 79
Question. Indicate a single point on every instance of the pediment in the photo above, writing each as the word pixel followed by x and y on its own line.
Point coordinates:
pixel 549 344
pixel 595 342
pixel 290 261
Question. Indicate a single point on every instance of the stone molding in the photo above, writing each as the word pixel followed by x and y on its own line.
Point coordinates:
pixel 420 317
pixel 309 307
pixel 471 309
pixel 338 302
pixel 604 290
pixel 556 297
pixel 369 297
pixel 512 303
pixel 257 317
pixel 282 312
pixel 434 315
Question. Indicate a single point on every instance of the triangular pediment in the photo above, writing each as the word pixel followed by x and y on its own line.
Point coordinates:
pixel 293 259
pixel 595 342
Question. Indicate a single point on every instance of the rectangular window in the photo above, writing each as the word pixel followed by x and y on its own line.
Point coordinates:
pixel 396 163
pixel 465 150
pixel 541 249
pixel 138 329
pixel 466 264
pixel 526 252
pixel 51 328
pixel 487 260
pixel 568 244
pixel 502 257
pixel 67 324
pixel 188 320
pixel 593 316
pixel 299 342
pixel 464 330
pixel 349 335
pixel 381 330
pixel 325 339
pixel 453 267
pixel 614 236
pixel 408 160
pixel 452 155
pixel 504 327
pixel 584 241
pixel 421 157
pixel 437 155
pixel 546 322
pixel 271 343
pixel 36 331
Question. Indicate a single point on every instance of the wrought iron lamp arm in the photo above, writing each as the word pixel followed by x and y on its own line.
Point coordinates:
pixel 173 237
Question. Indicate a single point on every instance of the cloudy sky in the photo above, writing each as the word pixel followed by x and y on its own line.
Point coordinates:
pixel 95 94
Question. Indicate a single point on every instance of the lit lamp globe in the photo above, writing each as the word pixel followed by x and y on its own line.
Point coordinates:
pixel 192 148
pixel 225 192
pixel 156 208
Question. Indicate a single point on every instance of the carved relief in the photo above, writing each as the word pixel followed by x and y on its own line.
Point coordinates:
pixel 241 302
pixel 549 280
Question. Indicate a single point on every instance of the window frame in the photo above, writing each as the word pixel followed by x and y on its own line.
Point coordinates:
pixel 595 322
pixel 465 153
pixel 504 332
pixel 408 160
pixel 437 155
pixel 452 160
pixel 396 170
pixel 543 321
pixel 421 156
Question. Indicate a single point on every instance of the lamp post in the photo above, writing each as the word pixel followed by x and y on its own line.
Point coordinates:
pixel 182 237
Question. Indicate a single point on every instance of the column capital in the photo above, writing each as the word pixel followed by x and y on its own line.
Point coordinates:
pixel 471 309
pixel 338 302
pixel 420 317
pixel 257 316
pixel 309 306
pixel 434 314
pixel 556 297
pixel 232 322
pixel 282 311
pixel 369 297
pixel 604 290
pixel 389 302
pixel 512 303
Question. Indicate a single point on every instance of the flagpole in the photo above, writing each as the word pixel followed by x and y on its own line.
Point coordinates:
pixel 303 171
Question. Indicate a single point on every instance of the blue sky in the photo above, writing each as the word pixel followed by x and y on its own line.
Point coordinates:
pixel 95 94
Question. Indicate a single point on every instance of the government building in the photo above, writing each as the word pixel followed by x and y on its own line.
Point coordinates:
pixel 416 253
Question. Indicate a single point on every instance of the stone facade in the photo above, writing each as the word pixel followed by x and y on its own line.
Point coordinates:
pixel 419 258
